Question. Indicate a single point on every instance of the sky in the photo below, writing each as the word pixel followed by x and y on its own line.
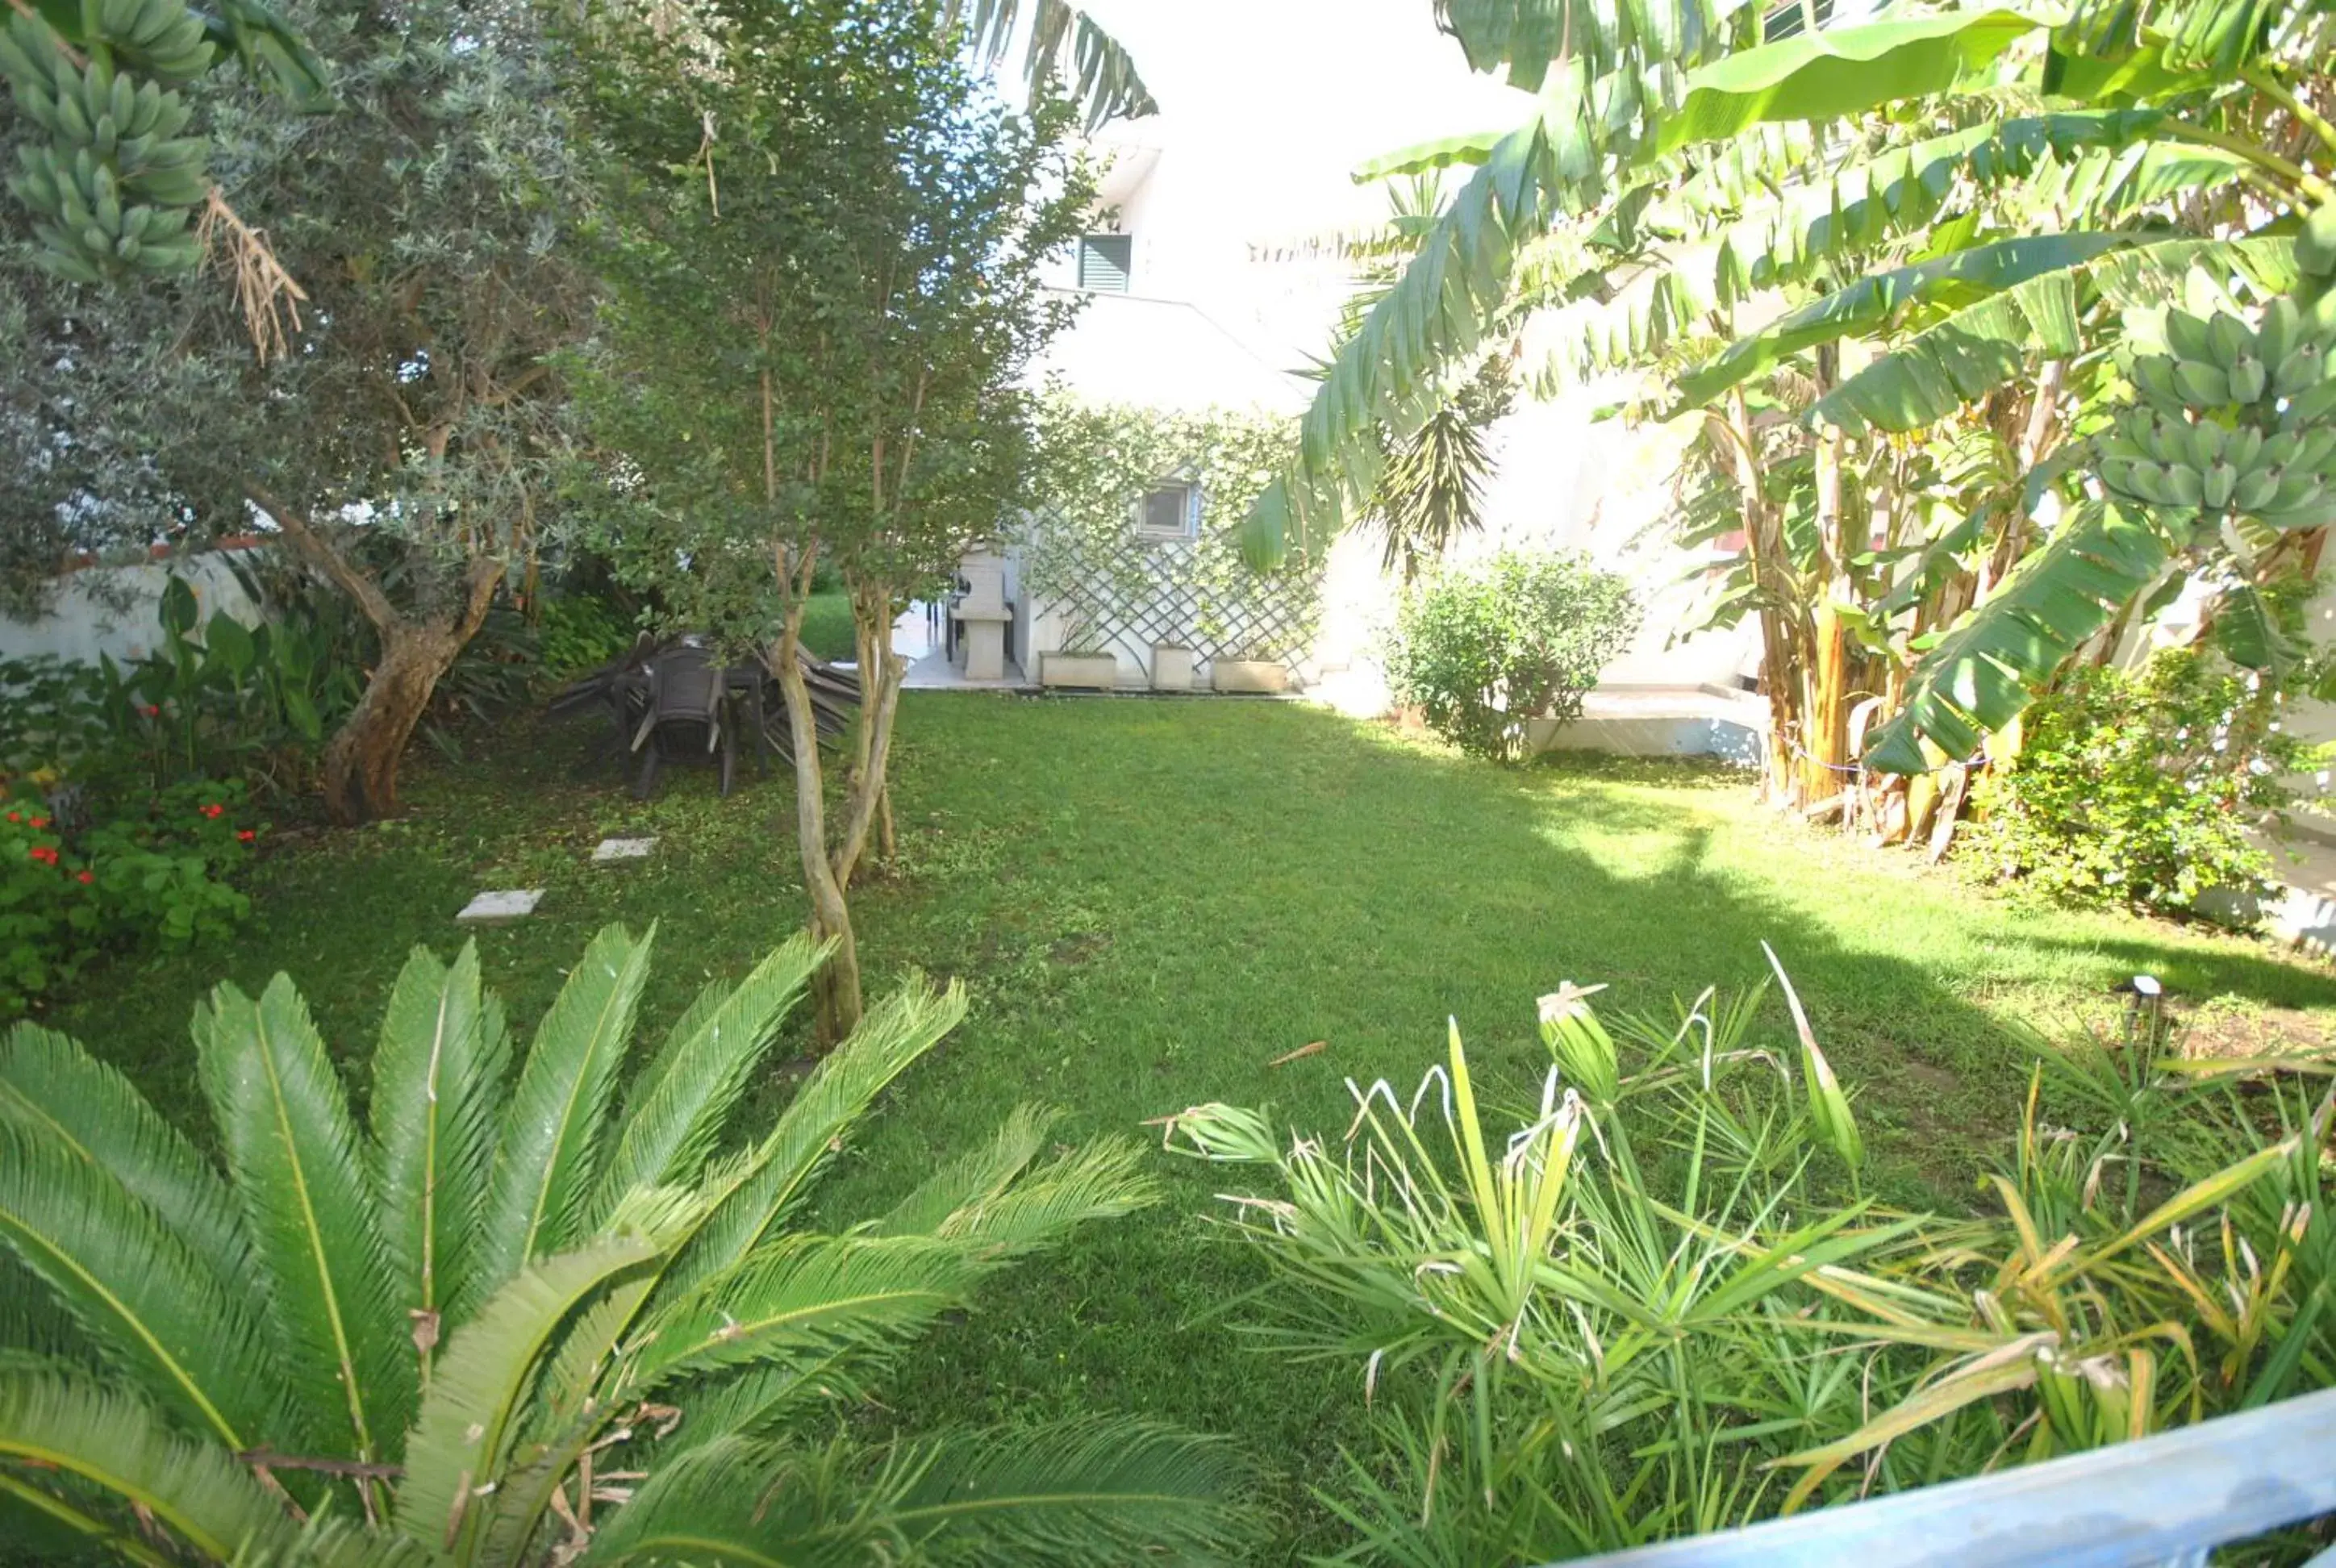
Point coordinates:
pixel 1311 86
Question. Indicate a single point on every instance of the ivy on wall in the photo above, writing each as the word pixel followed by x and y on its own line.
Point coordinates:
pixel 1081 551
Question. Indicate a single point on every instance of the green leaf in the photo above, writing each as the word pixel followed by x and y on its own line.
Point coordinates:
pixel 1874 301
pixel 460 1438
pixel 318 1264
pixel 543 1167
pixel 439 1086
pixel 1074 1492
pixel 194 1491
pixel 750 1197
pixel 1528 36
pixel 48 1081
pixel 1840 72
pixel 1980 674
pixel 679 1103
pixel 1065 50
pixel 151 1305
pixel 227 639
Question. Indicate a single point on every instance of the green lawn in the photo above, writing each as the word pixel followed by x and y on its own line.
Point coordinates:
pixel 1150 900
pixel 827 626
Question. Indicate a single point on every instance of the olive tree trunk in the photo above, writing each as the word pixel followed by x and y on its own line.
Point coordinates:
pixel 361 760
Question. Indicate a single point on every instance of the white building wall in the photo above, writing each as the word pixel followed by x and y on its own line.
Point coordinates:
pixel 1226 195
pixel 117 610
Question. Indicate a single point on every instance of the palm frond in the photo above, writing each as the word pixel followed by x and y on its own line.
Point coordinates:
pixel 738 1503
pixel 193 1490
pixel 48 1081
pixel 543 1165
pixel 1101 1182
pixel 438 1086
pixel 679 1103
pixel 1073 1492
pixel 971 1179
pixel 316 1252
pixel 810 1299
pixel 463 1436
pixel 153 1309
pixel 565 1414
pixel 1065 52
pixel 749 1196
pixel 1526 37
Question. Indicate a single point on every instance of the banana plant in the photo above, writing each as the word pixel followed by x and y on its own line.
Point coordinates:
pixel 114 192
pixel 1944 204
pixel 531 1312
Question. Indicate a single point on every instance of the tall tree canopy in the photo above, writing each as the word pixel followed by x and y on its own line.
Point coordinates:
pixel 821 236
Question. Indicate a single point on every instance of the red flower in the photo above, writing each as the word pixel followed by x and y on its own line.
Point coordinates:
pixel 154 710
pixel 44 854
pixel 39 822
pixel 88 876
pixel 246 835
pixel 14 817
pixel 214 810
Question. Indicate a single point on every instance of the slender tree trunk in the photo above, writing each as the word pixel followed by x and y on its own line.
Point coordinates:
pixel 1824 732
pixel 1780 654
pixel 836 989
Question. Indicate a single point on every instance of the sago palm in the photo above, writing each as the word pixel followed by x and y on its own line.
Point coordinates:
pixel 518 1318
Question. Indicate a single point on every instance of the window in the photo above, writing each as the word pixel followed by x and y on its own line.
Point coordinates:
pixel 1104 260
pixel 1170 510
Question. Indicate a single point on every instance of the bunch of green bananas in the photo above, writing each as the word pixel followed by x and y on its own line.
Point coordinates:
pixel 2232 419
pixel 114 187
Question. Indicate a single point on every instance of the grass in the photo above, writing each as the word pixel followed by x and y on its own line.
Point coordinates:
pixel 827 626
pixel 1152 899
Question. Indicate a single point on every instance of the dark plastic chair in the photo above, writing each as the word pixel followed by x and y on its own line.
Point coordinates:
pixel 685 693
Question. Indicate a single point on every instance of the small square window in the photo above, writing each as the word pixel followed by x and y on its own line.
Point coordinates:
pixel 1106 262
pixel 1169 512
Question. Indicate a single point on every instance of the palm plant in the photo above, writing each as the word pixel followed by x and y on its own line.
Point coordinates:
pixel 1660 1306
pixel 521 1319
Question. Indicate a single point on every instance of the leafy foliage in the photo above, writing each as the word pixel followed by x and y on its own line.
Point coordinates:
pixel 461 1321
pixel 160 873
pixel 1080 548
pixel 1658 1305
pixel 1482 651
pixel 2139 788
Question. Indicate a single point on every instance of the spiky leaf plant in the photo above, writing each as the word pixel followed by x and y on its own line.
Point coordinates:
pixel 1658 1305
pixel 531 1312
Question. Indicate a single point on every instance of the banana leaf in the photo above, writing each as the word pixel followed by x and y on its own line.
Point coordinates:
pixel 1980 674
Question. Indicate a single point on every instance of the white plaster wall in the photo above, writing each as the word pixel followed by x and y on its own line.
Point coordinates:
pixel 116 610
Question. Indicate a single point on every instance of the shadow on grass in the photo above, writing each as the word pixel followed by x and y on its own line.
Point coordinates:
pixel 1151 901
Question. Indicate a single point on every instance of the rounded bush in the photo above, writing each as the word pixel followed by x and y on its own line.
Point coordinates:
pixel 1483 649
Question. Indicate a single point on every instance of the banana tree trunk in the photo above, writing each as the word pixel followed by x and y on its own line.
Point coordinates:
pixel 1824 730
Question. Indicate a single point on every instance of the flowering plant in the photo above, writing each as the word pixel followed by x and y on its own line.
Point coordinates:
pixel 159 876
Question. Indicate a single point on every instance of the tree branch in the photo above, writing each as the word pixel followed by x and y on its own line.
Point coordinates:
pixel 314 548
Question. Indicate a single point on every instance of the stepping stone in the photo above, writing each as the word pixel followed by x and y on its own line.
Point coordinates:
pixel 611 851
pixel 499 908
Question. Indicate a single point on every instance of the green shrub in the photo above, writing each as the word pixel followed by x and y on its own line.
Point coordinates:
pixel 520 1312
pixel 1653 1304
pixel 1483 649
pixel 578 633
pixel 2136 788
